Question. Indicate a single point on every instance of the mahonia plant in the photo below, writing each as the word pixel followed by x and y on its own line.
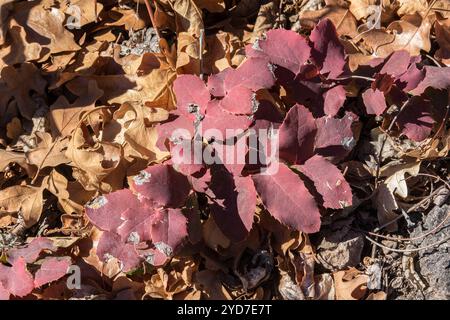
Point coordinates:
pixel 17 280
pixel 150 220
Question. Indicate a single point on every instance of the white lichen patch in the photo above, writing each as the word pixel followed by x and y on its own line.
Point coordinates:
pixel 272 68
pixel 97 202
pixel 256 46
pixel 164 248
pixel 134 238
pixel 150 258
pixel 348 143
pixel 255 103
pixel 142 177
pixel 107 257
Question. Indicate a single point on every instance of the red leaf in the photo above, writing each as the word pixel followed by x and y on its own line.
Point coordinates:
pixel 284 48
pixel 4 294
pixel 333 100
pixel 374 101
pixel 190 90
pixel 217 121
pixel 253 74
pixel 16 279
pixel 239 100
pixel 176 130
pixel 32 251
pixel 187 156
pixel 215 83
pixel 332 132
pixel 329 182
pixel 328 53
pixel 416 120
pixel 234 203
pixel 296 135
pixel 287 199
pixel 162 184
pixel 105 211
pixel 52 269
pixel 137 224
pixel 169 232
pixel 435 77
pixel 111 245
pixel 396 64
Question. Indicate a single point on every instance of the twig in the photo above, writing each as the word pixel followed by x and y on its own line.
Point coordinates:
pixel 356 77
pixel 201 40
pixel 437 243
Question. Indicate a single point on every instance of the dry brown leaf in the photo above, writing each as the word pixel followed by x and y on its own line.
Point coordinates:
pixel 173 281
pixel 211 5
pixel 49 152
pixel 41 23
pixel 20 82
pixel 189 23
pixel 95 160
pixel 394 184
pixel 137 130
pixel 342 18
pixel 442 29
pixel 350 284
pixel 25 200
pixel 408 7
pixel 64 116
pixel 411 33
pixel 85 9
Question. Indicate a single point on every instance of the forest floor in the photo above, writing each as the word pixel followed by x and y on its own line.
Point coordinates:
pixel 93 204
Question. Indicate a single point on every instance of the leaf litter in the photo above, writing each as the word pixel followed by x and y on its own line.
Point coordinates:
pixel 103 115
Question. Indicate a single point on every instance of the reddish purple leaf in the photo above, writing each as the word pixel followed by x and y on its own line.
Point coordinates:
pixel 187 156
pixel 333 100
pixel 217 121
pixel 284 48
pixel 215 83
pixel 287 199
pixel 111 245
pixel 233 204
pixel 4 294
pixel 411 78
pixel 239 100
pixel 31 251
pixel 333 132
pixel 191 93
pixel 374 101
pixel 416 120
pixel 154 257
pixel 169 232
pixel 181 128
pixel 137 224
pixel 328 53
pixel 162 184
pixel 16 279
pixel 296 135
pixel 52 269
pixel 200 181
pixel 329 182
pixel 104 211
pixel 435 77
pixel 396 64
pixel 253 73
